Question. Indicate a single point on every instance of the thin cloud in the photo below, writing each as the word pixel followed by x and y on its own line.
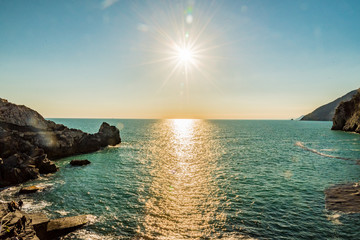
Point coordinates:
pixel 108 3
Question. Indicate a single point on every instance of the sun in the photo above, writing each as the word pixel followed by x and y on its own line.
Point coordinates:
pixel 185 55
pixel 180 40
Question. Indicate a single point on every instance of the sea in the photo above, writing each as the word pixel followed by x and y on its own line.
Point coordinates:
pixel 205 179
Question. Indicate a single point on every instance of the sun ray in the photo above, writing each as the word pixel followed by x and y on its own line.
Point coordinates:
pixel 169 77
pixel 208 79
pixel 182 42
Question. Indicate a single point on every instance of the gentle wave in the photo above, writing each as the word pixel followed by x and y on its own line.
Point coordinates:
pixel 205 180
pixel 301 144
pixel 84 234
pixel 34 206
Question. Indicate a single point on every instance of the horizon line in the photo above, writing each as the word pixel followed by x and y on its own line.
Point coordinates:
pixel 132 118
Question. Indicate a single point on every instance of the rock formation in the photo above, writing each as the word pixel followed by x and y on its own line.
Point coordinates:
pixel 62 226
pixel 347 115
pixel 79 162
pixel 327 111
pixel 28 141
pixel 17 224
pixel 14 223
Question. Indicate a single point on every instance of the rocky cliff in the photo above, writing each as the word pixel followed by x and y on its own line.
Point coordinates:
pixel 28 141
pixel 327 111
pixel 347 115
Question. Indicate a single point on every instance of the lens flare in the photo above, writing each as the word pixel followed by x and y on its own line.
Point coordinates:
pixel 182 41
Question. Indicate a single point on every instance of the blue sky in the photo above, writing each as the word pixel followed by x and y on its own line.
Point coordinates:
pixel 257 59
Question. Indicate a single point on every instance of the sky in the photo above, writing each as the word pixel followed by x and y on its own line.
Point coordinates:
pixel 226 59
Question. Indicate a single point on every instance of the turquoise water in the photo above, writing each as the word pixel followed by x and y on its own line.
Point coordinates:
pixel 207 179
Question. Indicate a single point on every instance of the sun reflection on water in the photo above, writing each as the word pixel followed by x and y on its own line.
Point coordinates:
pixel 183 128
pixel 184 200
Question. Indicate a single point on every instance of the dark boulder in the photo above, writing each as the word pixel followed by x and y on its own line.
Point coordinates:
pixel 109 135
pixel 17 168
pixel 79 162
pixel 45 165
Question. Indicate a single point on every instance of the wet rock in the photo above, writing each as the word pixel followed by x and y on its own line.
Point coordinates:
pixel 343 198
pixel 62 226
pixel 79 162
pixel 30 189
pixel 45 165
pixel 20 167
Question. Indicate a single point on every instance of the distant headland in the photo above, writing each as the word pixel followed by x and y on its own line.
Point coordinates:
pixel 326 112
pixel 347 115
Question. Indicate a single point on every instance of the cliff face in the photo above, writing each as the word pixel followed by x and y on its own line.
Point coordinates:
pixel 20 115
pixel 347 115
pixel 327 111
pixel 27 140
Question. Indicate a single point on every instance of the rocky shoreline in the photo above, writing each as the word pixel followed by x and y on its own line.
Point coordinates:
pixel 326 112
pixel 28 142
pixel 28 146
pixel 17 224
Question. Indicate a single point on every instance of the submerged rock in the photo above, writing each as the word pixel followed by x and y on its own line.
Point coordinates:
pixel 79 162
pixel 347 115
pixel 28 141
pixel 343 198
